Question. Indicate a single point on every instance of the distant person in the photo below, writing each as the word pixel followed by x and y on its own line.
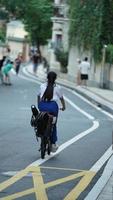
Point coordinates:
pixel 8 54
pixel 45 64
pixel 84 70
pixel 17 63
pixel 1 65
pixel 78 73
pixel 31 53
pixel 5 71
pixel 36 59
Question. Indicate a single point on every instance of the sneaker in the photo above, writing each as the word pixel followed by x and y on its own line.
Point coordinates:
pixel 54 148
pixel 9 83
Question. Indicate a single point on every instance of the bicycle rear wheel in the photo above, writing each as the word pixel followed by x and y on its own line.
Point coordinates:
pixel 49 147
pixel 43 147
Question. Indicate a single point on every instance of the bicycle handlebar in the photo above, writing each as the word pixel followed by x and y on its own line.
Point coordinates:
pixel 61 109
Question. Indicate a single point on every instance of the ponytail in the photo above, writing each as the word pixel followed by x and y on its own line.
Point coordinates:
pixel 48 94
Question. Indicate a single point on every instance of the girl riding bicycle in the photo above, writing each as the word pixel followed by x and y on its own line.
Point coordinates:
pixel 48 96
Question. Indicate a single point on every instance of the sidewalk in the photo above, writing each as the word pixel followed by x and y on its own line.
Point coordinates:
pixel 101 97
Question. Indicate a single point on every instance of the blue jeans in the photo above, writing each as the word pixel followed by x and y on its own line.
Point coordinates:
pixel 52 108
pixel 35 65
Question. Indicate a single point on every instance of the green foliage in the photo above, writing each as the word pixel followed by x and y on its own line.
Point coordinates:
pixel 91 25
pixel 36 15
pixel 3 15
pixel 109 53
pixel 38 20
pixel 62 57
pixel 16 8
pixel 2 35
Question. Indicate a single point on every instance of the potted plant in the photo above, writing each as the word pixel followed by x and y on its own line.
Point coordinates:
pixel 62 58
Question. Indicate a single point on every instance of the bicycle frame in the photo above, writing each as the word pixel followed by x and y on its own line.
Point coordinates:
pixel 45 146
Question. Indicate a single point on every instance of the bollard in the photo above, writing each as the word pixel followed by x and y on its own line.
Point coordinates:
pixel 112 140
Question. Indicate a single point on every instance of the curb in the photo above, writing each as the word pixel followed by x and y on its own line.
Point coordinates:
pixel 93 97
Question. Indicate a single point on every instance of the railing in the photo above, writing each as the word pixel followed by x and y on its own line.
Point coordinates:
pixel 58 2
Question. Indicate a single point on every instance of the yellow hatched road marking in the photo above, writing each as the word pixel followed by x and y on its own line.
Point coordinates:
pixel 40 188
pixel 83 183
pixel 14 179
pixel 18 194
pixel 64 169
pixel 40 191
pixel 63 180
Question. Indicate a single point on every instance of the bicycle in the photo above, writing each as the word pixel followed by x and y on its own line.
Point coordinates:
pixel 43 123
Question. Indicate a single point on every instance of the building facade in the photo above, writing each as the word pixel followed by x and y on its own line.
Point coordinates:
pixel 16 38
pixel 59 31
pixel 100 75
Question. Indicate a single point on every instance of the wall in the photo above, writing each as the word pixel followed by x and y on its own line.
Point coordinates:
pixel 96 72
pixel 111 77
pixel 16 39
pixel 18 46
pixel 74 55
pixel 15 28
pixel 2 50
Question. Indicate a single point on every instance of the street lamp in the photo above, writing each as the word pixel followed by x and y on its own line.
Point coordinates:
pixel 102 73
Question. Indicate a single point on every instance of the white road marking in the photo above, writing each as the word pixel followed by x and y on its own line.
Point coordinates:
pixel 67 144
pixel 83 98
pixel 94 193
pixel 99 163
pixel 29 79
pixel 33 77
pixel 106 113
pixel 40 161
pixel 90 103
pixel 79 109
pixel 13 173
pixel 86 100
pixel 97 166
pixel 28 74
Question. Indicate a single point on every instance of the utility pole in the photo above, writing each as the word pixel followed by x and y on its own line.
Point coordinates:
pixel 102 73
pixel 112 140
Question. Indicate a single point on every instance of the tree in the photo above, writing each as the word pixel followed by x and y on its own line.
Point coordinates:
pixel 16 8
pixel 91 25
pixel 35 14
pixel 2 35
pixel 37 20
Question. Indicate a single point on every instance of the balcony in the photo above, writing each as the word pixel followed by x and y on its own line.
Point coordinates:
pixel 60 20
pixel 59 2
pixel 60 11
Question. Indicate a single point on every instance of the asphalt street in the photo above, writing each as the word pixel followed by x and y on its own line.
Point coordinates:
pixel 84 135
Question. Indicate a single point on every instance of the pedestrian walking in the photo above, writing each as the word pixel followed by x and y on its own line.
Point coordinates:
pixel 84 70
pixel 17 63
pixel 1 65
pixel 45 64
pixel 36 59
pixel 78 73
pixel 5 71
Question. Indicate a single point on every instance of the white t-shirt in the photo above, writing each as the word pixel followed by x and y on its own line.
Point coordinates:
pixel 84 67
pixel 57 93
